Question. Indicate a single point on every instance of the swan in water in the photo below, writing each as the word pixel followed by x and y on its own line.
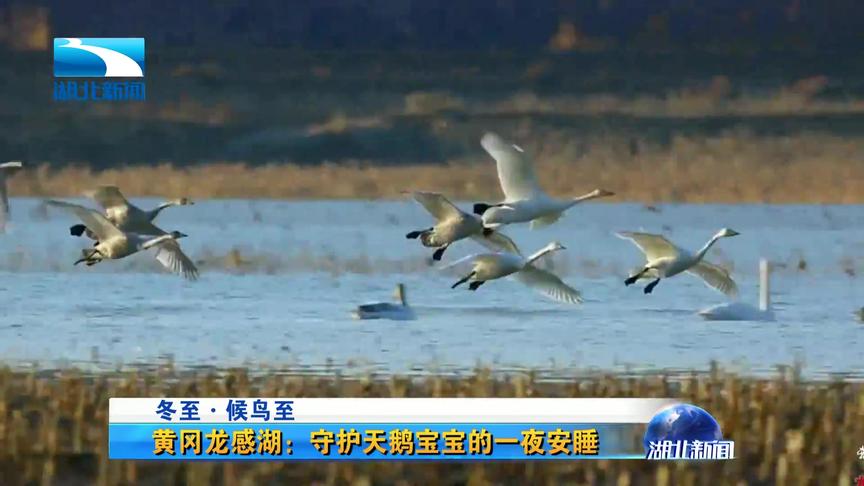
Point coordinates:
pixel 667 260
pixel 124 214
pixel 739 311
pixel 387 310
pixel 524 200
pixel 113 243
pixel 452 224
pixel 7 169
pixel 492 266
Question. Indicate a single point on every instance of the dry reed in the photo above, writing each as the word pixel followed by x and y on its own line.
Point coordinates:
pixel 787 431
pixel 735 167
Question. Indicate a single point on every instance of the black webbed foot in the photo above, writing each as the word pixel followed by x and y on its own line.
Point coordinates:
pixel 77 230
pixel 439 253
pixel 650 287
pixel 475 285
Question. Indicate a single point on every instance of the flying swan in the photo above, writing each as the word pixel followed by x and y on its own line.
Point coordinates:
pixel 7 169
pixel 113 243
pixel 524 200
pixel 124 214
pixel 739 311
pixel 492 266
pixel 667 260
pixel 387 310
pixel 453 224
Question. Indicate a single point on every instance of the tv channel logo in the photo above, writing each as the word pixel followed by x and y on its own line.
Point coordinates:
pixel 685 431
pixel 94 57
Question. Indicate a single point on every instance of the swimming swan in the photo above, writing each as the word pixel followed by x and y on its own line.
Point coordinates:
pixel 524 200
pixel 453 224
pixel 7 169
pixel 113 243
pixel 124 214
pixel 739 311
pixel 666 260
pixel 492 266
pixel 386 310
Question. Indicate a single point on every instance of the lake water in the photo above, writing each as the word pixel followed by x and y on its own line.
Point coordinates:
pixel 298 269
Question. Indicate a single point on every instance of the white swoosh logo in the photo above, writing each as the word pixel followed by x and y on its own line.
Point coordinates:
pixel 117 65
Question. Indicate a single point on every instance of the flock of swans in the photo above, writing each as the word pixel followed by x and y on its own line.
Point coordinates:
pixel 122 229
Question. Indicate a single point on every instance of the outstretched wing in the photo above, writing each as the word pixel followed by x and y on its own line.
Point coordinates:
pixel 515 171
pixel 716 277
pixel 107 197
pixel 475 259
pixel 172 257
pixel 548 284
pixel 6 170
pixel 437 205
pixel 93 220
pixel 544 221
pixel 497 241
pixel 653 246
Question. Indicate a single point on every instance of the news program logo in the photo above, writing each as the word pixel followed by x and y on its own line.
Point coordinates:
pixel 686 431
pixel 92 57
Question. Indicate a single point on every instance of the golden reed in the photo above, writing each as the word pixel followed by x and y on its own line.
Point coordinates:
pixel 732 168
pixel 53 428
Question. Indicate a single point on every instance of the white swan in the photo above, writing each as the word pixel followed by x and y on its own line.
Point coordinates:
pixel 666 260
pixel 113 243
pixel 7 169
pixel 524 200
pixel 739 311
pixel 453 224
pixel 492 266
pixel 387 310
pixel 124 214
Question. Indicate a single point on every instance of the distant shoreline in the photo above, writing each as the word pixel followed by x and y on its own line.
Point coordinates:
pixel 649 180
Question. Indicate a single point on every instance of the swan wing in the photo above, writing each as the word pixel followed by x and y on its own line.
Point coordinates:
pixel 653 246
pixel 515 171
pixel 437 205
pixel 716 277
pixel 544 221
pixel 491 259
pixel 93 220
pixel 172 257
pixel 497 241
pixel 7 168
pixel 108 197
pixel 548 284
pixel 4 201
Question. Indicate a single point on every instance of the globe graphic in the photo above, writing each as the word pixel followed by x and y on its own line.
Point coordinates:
pixel 682 422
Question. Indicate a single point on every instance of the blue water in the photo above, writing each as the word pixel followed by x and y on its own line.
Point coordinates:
pixel 305 265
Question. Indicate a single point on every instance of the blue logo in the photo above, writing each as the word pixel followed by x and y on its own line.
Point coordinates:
pixel 686 431
pixel 90 57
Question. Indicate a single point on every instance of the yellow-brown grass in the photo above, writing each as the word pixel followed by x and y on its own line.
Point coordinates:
pixel 736 167
pixel 53 428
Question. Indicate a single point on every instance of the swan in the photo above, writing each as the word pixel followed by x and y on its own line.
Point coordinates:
pixel 492 266
pixel 113 243
pixel 124 214
pixel 387 310
pixel 739 311
pixel 666 260
pixel 524 200
pixel 7 169
pixel 453 224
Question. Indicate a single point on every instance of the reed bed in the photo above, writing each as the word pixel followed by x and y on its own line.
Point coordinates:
pixel 733 167
pixel 53 427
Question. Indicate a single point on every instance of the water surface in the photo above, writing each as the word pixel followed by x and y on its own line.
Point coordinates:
pixel 284 297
